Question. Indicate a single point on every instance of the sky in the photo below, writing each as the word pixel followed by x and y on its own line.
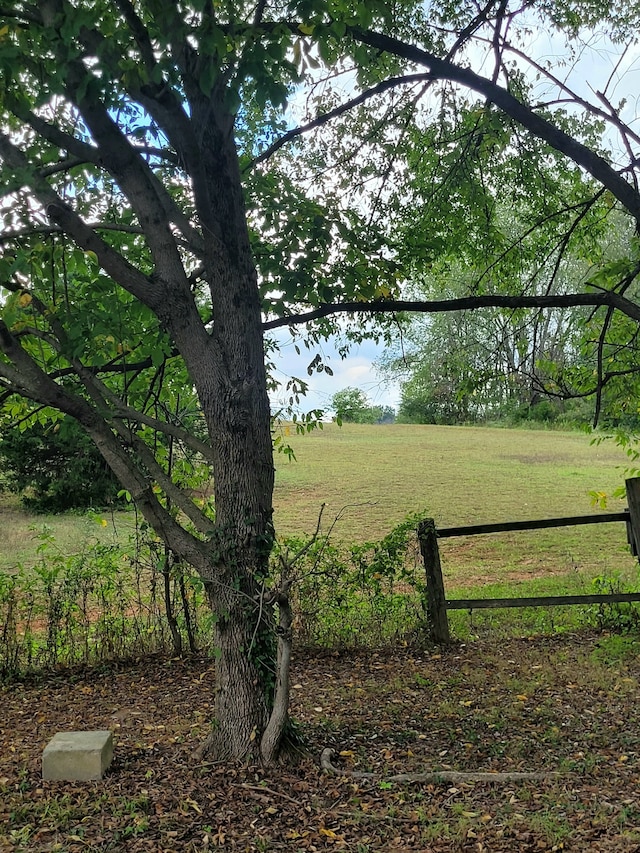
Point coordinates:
pixel 358 370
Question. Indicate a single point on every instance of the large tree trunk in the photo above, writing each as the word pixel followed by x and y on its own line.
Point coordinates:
pixel 224 354
pixel 244 675
pixel 228 370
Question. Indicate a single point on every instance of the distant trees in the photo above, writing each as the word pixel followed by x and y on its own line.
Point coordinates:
pixel 474 366
pixel 532 229
pixel 352 405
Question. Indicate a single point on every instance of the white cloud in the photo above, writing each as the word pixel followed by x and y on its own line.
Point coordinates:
pixel 356 370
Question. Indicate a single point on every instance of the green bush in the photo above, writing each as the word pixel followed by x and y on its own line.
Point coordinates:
pixel 363 595
pixel 111 602
pixel 56 468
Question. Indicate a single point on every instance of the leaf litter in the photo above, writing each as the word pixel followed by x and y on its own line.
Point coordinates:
pixel 556 706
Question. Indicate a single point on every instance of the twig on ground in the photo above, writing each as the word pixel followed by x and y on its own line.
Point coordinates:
pixel 264 790
pixel 435 776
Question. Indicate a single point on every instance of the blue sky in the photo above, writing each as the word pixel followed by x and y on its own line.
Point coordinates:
pixel 357 370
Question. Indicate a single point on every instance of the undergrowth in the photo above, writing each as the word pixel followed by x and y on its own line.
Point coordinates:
pixel 366 594
pixel 105 602
pixel 113 602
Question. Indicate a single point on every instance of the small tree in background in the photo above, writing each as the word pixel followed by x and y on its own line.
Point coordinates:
pixel 352 405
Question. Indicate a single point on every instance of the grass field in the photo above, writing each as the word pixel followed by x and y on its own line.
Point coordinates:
pixel 372 477
pixel 19 531
pixel 375 476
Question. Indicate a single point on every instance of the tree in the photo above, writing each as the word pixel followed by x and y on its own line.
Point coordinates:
pixel 352 405
pixel 478 365
pixel 523 222
pixel 161 216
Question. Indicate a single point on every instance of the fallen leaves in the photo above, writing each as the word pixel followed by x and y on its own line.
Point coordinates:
pixel 386 713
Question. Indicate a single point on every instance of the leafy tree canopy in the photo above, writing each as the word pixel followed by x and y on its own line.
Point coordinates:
pixel 56 467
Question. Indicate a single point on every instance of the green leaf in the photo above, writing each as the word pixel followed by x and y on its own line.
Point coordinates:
pixel 157 356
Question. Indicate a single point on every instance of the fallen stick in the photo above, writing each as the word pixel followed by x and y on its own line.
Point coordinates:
pixel 435 776
pixel 262 789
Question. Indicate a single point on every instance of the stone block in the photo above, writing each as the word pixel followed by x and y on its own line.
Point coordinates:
pixel 77 756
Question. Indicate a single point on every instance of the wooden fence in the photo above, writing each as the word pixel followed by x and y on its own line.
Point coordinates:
pixel 437 602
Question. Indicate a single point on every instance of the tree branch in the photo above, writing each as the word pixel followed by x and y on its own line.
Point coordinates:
pixel 610 117
pixel 593 163
pixel 55 229
pixel 444 777
pixel 124 412
pixel 173 492
pixel 92 154
pixel 334 113
pixel 139 33
pixel 464 303
pixel 99 393
pixel 36 385
pixel 84 236
pixel 29 14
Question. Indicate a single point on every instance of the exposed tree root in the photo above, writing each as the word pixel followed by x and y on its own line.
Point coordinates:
pixel 436 776
pixel 203 750
pixel 214 749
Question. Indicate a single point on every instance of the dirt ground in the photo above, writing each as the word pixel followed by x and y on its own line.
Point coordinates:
pixel 567 705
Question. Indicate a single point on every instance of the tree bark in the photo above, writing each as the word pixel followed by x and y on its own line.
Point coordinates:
pixel 244 672
pixel 229 373
pixel 275 730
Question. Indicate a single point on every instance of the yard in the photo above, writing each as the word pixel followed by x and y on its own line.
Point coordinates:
pixel 539 692
pixel 564 706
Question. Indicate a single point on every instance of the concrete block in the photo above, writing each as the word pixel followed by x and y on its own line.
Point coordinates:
pixel 77 756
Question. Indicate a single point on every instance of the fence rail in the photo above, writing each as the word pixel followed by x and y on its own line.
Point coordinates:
pixel 539 600
pixel 437 602
pixel 537 524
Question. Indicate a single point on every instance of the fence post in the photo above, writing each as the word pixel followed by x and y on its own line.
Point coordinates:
pixel 436 601
pixel 633 499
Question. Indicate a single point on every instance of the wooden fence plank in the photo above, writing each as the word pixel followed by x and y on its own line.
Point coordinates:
pixel 438 605
pixel 632 486
pixel 539 601
pixel 537 524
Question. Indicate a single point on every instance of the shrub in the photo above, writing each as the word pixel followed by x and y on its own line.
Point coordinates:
pixel 111 602
pixel 362 595
pixel 56 468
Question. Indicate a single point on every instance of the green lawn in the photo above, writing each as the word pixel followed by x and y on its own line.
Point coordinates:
pixel 372 477
pixel 19 531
